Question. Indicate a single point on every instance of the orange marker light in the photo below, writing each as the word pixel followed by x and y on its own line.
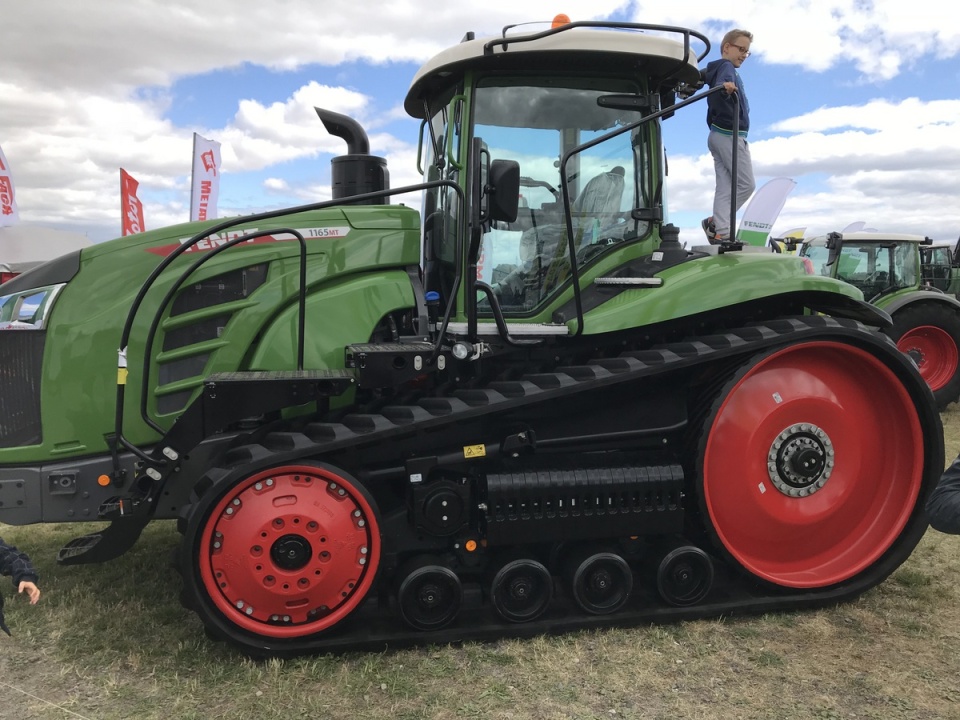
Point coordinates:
pixel 560 19
pixel 103 480
pixel 470 545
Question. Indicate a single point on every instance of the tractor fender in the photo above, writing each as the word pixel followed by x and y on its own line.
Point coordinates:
pixel 922 296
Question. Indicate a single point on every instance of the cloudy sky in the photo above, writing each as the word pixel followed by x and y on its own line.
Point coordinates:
pixel 856 100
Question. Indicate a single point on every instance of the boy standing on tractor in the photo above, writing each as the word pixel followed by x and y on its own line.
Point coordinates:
pixel 734 49
pixel 17 565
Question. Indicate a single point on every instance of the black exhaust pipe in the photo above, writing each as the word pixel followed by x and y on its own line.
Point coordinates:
pixel 358 171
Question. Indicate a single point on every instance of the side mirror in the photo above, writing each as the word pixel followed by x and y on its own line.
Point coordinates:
pixel 834 243
pixel 502 190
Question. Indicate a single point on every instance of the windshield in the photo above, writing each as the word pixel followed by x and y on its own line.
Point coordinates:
pixel 536 122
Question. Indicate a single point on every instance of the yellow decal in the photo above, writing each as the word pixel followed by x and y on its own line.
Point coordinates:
pixel 474 451
pixel 121 376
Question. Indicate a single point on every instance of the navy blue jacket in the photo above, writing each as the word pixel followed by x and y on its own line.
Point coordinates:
pixel 943 506
pixel 16 564
pixel 720 105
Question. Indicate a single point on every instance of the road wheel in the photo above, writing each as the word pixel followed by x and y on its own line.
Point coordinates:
pixel 810 465
pixel 280 554
pixel 930 333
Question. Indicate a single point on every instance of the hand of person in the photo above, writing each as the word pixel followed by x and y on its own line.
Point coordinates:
pixel 730 87
pixel 32 591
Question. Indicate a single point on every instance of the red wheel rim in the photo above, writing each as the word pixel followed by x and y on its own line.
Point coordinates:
pixel 868 484
pixel 935 352
pixel 290 551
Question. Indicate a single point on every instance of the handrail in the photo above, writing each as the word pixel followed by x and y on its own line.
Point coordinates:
pixel 686 32
pixel 119 437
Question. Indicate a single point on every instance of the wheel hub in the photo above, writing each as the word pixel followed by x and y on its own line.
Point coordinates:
pixel 291 552
pixel 800 460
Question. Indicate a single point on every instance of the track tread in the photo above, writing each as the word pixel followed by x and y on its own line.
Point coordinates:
pixel 356 430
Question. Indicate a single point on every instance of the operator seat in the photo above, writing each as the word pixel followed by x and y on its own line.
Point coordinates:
pixel 600 200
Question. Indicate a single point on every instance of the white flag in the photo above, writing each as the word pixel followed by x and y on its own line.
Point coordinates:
pixel 205 188
pixel 763 210
pixel 9 214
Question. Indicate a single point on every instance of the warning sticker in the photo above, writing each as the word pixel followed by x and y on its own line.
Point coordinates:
pixel 474 451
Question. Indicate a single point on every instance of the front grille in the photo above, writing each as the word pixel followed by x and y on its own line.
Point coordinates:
pixel 21 361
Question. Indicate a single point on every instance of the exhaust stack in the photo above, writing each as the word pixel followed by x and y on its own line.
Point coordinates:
pixel 358 172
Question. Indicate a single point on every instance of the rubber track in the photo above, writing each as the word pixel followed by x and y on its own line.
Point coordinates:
pixel 373 627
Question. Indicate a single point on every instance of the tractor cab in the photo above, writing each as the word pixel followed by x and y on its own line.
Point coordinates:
pixel 876 263
pixel 583 138
pixel 937 268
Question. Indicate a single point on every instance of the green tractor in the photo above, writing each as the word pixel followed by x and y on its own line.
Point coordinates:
pixel 909 278
pixel 495 417
pixel 940 267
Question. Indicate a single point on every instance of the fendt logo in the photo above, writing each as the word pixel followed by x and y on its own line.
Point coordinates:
pixel 214 241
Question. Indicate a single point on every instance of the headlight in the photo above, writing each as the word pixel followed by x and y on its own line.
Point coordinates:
pixel 28 309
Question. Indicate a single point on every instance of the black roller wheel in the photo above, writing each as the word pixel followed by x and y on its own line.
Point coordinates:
pixel 929 332
pixel 684 576
pixel 521 590
pixel 429 595
pixel 600 582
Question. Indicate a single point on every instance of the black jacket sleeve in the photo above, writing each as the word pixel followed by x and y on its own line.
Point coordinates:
pixel 16 564
pixel 943 506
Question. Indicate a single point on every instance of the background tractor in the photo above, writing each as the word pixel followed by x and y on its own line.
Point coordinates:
pixel 904 275
pixel 375 426
pixel 940 267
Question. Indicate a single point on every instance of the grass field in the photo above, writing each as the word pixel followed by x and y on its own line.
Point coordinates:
pixel 112 641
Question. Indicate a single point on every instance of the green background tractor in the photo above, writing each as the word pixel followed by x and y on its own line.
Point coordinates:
pixel 903 275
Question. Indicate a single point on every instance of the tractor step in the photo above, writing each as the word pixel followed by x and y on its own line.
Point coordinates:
pixel 106 544
pixel 391 364
pixel 228 396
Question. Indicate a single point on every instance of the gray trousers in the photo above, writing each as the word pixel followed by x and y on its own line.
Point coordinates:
pixel 721 147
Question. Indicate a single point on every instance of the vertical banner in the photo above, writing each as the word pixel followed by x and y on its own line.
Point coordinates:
pixel 763 210
pixel 205 187
pixel 131 209
pixel 9 214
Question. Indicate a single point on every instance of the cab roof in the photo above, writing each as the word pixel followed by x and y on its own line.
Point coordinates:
pixel 870 237
pixel 584 46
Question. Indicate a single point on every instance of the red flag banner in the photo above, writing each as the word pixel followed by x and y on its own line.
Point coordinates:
pixel 9 214
pixel 131 208
pixel 205 188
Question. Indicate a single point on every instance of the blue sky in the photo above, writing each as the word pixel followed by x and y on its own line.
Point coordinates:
pixel 856 100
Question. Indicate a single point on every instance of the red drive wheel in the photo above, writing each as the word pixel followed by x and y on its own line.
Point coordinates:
pixel 929 332
pixel 935 352
pixel 812 464
pixel 290 551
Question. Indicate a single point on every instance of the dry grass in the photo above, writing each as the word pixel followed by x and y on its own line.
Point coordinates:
pixel 111 641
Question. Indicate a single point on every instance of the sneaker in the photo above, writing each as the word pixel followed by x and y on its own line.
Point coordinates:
pixel 709 229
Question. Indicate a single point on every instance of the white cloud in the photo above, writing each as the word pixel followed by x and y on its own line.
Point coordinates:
pixel 878 37
pixel 95 95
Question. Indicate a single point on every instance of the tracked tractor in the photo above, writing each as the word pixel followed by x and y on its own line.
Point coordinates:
pixel 525 409
pixel 904 275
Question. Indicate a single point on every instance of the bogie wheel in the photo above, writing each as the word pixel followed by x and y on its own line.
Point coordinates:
pixel 281 554
pixel 929 333
pixel 811 464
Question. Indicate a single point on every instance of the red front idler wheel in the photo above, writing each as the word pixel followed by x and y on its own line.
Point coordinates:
pixel 812 464
pixel 290 551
